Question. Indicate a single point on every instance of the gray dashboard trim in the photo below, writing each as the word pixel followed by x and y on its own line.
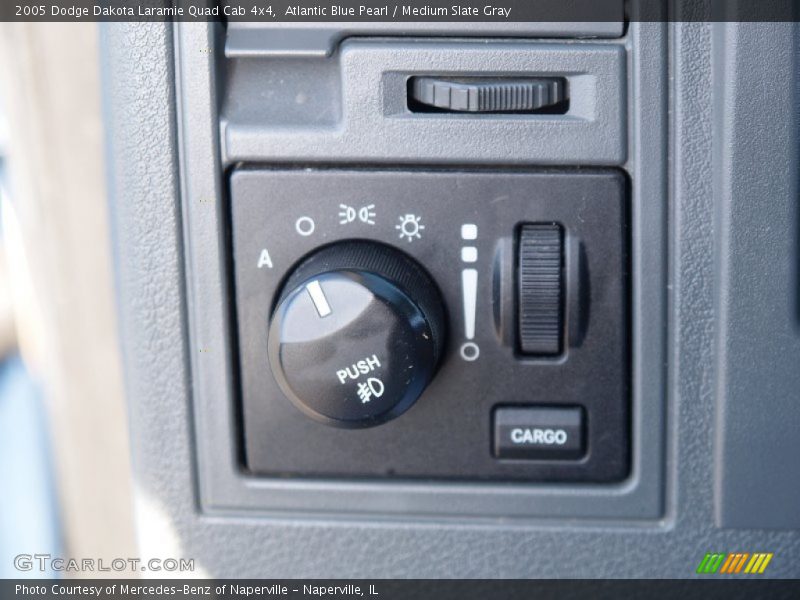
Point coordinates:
pixel 242 542
pixel 352 106
pixel 758 285
pixel 309 39
pixel 223 484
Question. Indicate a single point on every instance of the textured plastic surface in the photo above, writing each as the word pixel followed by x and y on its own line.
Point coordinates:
pixel 353 107
pixel 758 291
pixel 486 95
pixel 174 334
pixel 309 39
pixel 447 433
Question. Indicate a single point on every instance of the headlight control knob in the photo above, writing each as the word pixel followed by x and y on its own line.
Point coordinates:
pixel 357 334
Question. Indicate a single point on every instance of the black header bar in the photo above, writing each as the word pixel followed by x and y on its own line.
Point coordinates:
pixel 403 11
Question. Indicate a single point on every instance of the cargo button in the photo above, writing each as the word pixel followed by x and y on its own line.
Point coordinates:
pixel 542 433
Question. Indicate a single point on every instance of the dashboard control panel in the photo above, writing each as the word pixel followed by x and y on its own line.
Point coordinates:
pixel 432 324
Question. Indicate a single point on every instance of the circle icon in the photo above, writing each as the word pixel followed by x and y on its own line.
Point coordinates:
pixel 305 226
pixel 410 227
pixel 470 351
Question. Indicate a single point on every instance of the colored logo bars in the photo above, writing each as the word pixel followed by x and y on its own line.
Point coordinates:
pixel 734 562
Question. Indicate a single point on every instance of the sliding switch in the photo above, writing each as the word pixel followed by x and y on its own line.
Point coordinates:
pixel 487 95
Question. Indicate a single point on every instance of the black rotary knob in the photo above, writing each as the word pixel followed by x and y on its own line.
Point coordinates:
pixel 356 334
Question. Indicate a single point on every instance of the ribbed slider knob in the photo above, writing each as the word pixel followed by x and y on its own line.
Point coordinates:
pixel 510 95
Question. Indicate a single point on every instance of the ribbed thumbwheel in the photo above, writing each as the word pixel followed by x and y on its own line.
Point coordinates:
pixel 488 95
pixel 540 292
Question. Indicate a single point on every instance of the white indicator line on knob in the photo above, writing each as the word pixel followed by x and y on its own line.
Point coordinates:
pixel 314 290
pixel 469 283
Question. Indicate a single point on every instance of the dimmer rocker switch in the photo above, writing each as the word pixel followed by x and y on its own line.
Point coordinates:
pixel 540 289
